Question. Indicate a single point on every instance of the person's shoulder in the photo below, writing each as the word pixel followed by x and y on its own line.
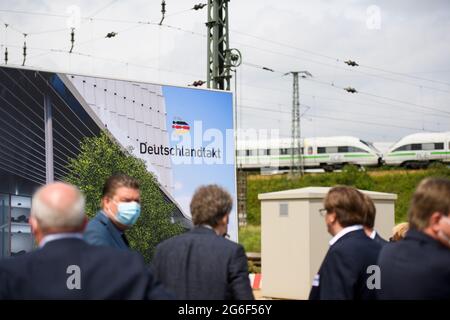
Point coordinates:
pixel 96 222
pixel 117 256
pixel 391 249
pixel 13 264
pixel 358 243
pixel 97 232
pixel 174 241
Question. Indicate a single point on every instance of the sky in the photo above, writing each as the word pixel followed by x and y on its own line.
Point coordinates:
pixel 409 39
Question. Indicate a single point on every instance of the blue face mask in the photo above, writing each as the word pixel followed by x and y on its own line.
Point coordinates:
pixel 128 212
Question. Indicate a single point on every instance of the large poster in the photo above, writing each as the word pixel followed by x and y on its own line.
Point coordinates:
pixel 184 135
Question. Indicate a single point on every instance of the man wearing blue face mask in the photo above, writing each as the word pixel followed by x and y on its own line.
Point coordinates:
pixel 120 210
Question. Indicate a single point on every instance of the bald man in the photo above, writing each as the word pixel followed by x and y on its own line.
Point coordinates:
pixel 66 267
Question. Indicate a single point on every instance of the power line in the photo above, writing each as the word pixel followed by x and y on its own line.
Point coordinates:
pixel 371 115
pixel 384 104
pixel 382 97
pixel 102 8
pixel 262 39
pixel 332 66
pixel 336 119
pixel 191 32
pixel 337 59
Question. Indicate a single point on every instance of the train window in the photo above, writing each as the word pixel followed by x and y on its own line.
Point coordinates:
pixel 241 153
pixel 428 146
pixel 439 146
pixel 343 149
pixel 332 149
pixel 406 147
pixel 416 146
pixel 284 151
pixel 310 150
pixel 268 152
pixel 321 150
pixel 356 149
pixel 247 153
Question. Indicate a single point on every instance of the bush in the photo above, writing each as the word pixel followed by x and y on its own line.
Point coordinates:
pixel 250 238
pixel 100 158
pixel 402 183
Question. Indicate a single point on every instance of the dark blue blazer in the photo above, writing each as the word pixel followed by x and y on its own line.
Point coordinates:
pixel 101 231
pixel 378 239
pixel 201 265
pixel 106 273
pixel 343 273
pixel 417 267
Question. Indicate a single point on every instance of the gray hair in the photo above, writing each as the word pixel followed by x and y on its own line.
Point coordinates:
pixel 69 216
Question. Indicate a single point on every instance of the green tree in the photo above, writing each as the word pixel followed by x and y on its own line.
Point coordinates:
pixel 100 158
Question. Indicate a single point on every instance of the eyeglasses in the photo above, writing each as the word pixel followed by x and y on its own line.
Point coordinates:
pixel 323 212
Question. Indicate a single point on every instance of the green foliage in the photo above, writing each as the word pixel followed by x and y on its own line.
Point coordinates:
pixel 403 183
pixel 250 238
pixel 100 158
pixel 253 268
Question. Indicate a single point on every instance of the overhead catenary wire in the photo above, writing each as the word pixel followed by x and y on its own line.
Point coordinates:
pixel 310 117
pixel 337 119
pixel 366 101
pixel 245 34
pixel 333 66
pixel 371 115
pixel 376 96
pixel 335 58
pixel 382 97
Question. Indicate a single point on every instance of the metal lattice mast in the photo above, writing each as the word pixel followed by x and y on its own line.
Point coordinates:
pixel 219 58
pixel 296 153
pixel 295 127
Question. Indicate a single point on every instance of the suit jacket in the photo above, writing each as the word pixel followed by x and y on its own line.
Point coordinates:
pixel 417 267
pixel 343 273
pixel 200 264
pixel 378 239
pixel 101 231
pixel 104 273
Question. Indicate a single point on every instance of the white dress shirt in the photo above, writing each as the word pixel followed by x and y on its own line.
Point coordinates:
pixel 343 232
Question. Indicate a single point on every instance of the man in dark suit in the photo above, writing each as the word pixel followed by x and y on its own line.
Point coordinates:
pixel 344 272
pixel 202 264
pixel 120 211
pixel 369 221
pixel 418 267
pixel 66 267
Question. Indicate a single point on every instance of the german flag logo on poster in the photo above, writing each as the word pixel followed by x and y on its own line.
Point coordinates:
pixel 180 126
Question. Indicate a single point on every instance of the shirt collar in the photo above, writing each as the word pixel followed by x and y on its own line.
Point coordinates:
pixel 59 236
pixel 343 232
pixel 373 235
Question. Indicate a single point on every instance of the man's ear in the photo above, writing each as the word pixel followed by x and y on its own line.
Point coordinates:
pixel 225 219
pixel 332 217
pixel 104 201
pixel 433 222
pixel 34 225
